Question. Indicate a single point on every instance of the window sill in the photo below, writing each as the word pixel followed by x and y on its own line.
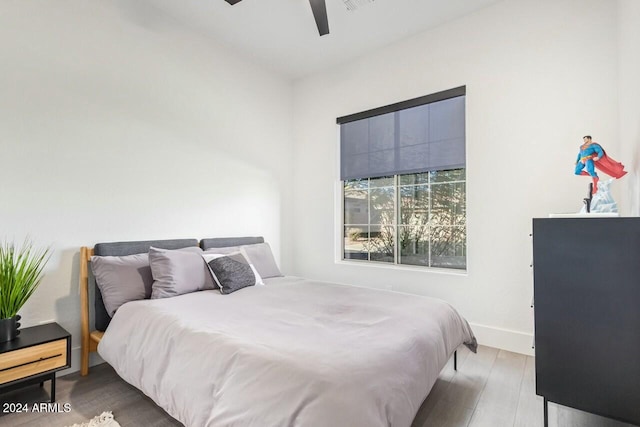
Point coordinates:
pixel 402 267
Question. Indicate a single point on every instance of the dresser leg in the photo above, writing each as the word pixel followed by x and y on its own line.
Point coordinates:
pixel 455 360
pixel 546 412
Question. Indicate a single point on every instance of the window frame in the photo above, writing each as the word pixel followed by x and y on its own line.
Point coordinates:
pixel 340 192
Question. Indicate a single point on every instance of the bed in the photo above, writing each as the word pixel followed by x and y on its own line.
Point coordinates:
pixel 291 352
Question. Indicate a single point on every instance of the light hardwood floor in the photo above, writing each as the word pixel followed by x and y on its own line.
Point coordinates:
pixel 493 388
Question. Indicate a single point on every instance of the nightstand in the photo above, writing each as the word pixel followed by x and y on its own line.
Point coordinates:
pixel 34 357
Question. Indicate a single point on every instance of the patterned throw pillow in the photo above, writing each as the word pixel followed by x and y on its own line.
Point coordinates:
pixel 232 272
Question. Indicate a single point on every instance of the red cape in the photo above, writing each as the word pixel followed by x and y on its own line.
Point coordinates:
pixel 609 166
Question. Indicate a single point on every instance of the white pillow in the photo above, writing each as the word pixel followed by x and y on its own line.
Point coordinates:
pixel 261 256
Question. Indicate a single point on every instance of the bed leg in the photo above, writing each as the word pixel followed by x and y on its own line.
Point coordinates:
pixel 546 411
pixel 455 360
pixel 85 256
pixel 84 360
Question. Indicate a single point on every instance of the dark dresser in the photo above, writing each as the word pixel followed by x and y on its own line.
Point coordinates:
pixel 587 314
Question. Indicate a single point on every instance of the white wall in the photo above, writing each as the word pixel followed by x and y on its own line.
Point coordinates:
pixel 629 91
pixel 118 124
pixel 539 76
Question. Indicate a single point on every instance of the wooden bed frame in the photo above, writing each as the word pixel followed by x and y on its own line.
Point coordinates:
pixel 90 339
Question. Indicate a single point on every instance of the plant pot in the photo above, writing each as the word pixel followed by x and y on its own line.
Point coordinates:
pixel 9 328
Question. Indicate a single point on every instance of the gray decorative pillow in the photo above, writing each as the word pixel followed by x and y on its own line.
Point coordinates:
pixel 177 272
pixel 232 272
pixel 122 279
pixel 261 257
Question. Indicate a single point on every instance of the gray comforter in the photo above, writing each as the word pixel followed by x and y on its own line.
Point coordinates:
pixel 292 353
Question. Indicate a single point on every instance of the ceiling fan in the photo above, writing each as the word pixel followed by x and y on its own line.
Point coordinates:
pixel 319 9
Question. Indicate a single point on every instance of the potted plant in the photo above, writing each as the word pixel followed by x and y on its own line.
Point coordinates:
pixel 20 274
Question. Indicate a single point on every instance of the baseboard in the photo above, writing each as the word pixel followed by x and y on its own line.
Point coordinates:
pixel 505 339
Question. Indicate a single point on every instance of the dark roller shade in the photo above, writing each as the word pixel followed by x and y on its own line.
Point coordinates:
pixel 416 139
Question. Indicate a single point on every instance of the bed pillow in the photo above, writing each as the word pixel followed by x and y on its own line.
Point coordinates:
pixel 232 272
pixel 122 279
pixel 261 257
pixel 177 272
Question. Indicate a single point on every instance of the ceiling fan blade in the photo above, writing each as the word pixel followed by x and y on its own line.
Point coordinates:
pixel 232 2
pixel 319 9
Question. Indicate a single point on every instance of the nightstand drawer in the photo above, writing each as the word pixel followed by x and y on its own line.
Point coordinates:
pixel 32 360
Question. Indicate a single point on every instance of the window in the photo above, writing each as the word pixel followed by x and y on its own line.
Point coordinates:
pixel 404 183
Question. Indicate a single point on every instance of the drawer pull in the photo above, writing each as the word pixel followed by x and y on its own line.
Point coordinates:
pixel 32 362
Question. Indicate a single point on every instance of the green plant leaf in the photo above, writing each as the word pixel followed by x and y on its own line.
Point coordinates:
pixel 20 275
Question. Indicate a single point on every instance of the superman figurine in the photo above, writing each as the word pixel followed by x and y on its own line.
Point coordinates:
pixel 592 155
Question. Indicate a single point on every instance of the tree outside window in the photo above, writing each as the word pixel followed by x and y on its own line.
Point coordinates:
pixel 413 219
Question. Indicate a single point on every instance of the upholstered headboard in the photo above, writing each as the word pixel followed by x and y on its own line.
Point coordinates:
pixel 223 242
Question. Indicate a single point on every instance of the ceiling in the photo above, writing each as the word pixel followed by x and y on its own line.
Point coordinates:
pixel 282 34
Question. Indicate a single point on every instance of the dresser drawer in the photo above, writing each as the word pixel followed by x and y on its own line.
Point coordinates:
pixel 32 360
